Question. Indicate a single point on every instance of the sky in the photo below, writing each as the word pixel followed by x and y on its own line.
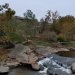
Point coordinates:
pixel 40 7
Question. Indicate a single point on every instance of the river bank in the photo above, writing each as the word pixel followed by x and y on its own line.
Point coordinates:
pixel 49 65
pixel 25 55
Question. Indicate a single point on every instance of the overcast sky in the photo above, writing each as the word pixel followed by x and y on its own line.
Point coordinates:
pixel 40 7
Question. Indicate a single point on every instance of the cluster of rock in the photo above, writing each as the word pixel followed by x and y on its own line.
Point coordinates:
pixel 44 51
pixel 23 54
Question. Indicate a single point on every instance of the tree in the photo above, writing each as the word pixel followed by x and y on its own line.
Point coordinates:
pixel 55 17
pixel 31 22
pixel 6 29
pixel 68 26
pixel 44 22
pixel 29 15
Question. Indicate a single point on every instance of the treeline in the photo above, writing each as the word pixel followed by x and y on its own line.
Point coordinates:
pixel 52 27
pixel 57 28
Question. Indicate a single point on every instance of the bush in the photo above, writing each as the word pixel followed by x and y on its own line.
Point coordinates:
pixel 61 38
pixel 49 36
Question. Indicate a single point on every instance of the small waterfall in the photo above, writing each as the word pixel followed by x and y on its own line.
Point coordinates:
pixel 44 71
pixel 51 61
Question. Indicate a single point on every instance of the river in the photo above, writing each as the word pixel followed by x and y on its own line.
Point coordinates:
pixel 52 63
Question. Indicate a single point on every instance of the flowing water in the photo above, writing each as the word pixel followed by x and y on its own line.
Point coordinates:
pixel 54 64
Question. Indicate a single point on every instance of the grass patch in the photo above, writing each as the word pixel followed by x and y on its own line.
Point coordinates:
pixel 16 37
pixel 43 43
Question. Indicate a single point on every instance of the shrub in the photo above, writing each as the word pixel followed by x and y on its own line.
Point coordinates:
pixel 49 36
pixel 61 38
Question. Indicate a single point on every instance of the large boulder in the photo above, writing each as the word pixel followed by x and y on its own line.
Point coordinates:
pixel 73 67
pixel 19 48
pixel 42 50
pixel 35 66
pixel 23 54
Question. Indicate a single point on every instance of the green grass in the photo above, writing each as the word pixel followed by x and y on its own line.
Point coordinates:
pixel 16 37
pixel 43 43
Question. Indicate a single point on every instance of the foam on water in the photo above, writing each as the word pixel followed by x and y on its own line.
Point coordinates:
pixel 41 62
pixel 44 71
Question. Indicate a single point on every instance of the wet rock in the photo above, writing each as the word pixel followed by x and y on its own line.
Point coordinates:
pixel 46 64
pixel 41 67
pixel 53 71
pixel 35 66
pixel 50 71
pixel 73 67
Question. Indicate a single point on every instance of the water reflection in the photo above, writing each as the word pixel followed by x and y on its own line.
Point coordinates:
pixel 23 71
pixel 67 53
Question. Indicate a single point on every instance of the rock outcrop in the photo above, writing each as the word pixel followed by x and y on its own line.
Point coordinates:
pixel 23 54
pixel 44 51
pixel 12 64
pixel 4 69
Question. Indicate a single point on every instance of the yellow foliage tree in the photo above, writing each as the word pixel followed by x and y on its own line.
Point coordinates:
pixel 6 29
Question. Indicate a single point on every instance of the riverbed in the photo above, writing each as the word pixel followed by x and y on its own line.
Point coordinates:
pixel 59 63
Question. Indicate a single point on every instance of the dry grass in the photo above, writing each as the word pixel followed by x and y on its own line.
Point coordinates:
pixel 3 54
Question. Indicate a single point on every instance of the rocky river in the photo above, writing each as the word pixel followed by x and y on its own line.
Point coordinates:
pixel 57 63
pixel 51 65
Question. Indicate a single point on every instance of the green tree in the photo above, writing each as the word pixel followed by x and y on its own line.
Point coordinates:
pixel 30 23
pixel 29 17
